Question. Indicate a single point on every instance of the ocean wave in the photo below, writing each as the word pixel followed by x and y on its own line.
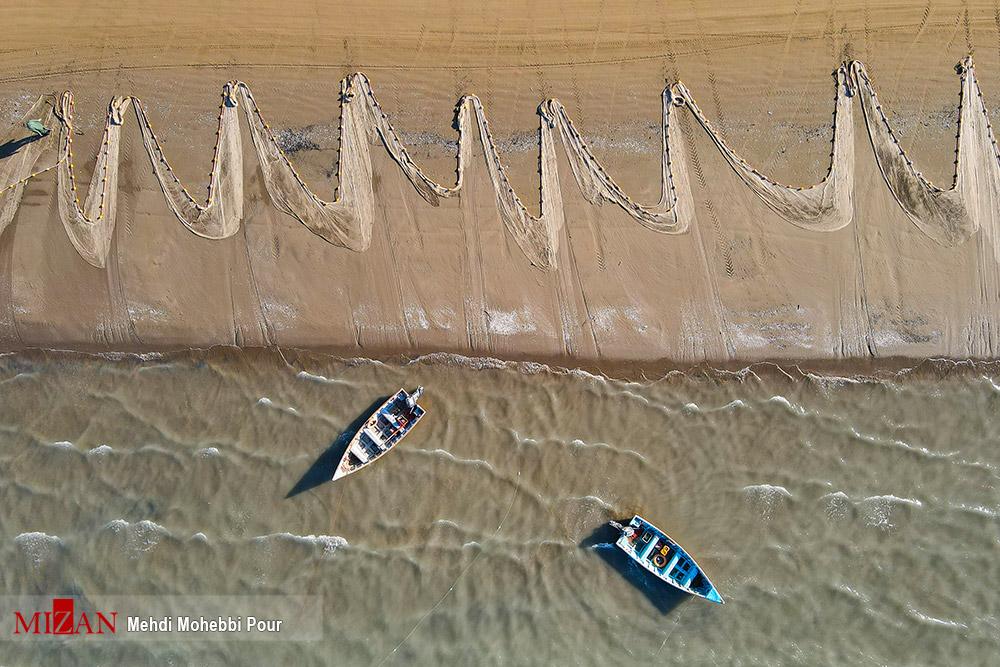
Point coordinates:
pixel 633 395
pixel 101 451
pixel 838 505
pixel 265 401
pixel 206 453
pixel 788 405
pixel 878 510
pixel 913 613
pixel 62 444
pixel 979 510
pixel 889 498
pixel 901 444
pixel 360 361
pixel 443 453
pixel 844 588
pixel 22 375
pixel 305 375
pixel 576 443
pixel 329 543
pixel 765 498
pixel 768 490
pixel 477 363
pixel 731 405
pixel 590 499
pixel 993 385
pixel 38 547
pixel 140 537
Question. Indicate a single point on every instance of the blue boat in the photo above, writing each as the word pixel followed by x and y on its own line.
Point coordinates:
pixel 381 432
pixel 653 549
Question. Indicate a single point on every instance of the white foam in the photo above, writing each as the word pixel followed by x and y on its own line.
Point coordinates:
pixel 979 509
pixel 580 444
pixel 473 363
pixel 781 400
pixel 764 498
pixel 140 312
pixel 100 451
pixel 265 401
pixel 17 377
pixel 416 317
pixel 936 621
pixel 63 444
pixel 448 455
pixel 37 546
pixel 878 509
pixel 140 537
pixel 320 378
pixel 330 543
pixel 847 589
pixel 444 318
pixel 889 498
pixel 993 385
pixel 206 453
pixel 362 361
pixel 838 504
pixel 893 442
pixel 640 397
pixel 691 407
pixel 504 323
pixel 768 490
pixel 592 499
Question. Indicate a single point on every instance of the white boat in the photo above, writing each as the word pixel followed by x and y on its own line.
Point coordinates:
pixel 653 549
pixel 381 432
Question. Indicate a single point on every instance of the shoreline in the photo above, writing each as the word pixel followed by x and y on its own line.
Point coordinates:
pixel 620 371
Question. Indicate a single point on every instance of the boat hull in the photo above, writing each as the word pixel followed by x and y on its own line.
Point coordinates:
pixel 662 557
pixel 382 431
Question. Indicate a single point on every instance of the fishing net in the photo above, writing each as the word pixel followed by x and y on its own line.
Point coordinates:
pixel 948 216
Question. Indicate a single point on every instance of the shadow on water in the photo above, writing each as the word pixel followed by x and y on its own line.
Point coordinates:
pixel 322 468
pixel 663 596
pixel 14 145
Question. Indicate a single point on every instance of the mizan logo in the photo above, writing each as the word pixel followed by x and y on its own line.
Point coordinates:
pixel 62 621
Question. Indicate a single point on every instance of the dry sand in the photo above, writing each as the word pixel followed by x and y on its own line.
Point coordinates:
pixel 740 284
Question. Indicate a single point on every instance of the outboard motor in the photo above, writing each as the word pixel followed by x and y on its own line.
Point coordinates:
pixel 628 530
pixel 411 400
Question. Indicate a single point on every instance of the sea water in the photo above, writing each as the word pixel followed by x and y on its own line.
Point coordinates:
pixel 845 519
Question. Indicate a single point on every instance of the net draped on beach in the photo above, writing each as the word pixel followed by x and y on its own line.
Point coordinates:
pixel 948 216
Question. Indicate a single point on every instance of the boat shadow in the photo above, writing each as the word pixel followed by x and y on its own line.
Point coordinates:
pixel 663 596
pixel 322 469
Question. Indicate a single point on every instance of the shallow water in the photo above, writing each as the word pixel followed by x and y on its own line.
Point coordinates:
pixel 843 520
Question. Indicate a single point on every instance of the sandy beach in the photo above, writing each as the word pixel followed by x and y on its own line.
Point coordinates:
pixel 469 271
